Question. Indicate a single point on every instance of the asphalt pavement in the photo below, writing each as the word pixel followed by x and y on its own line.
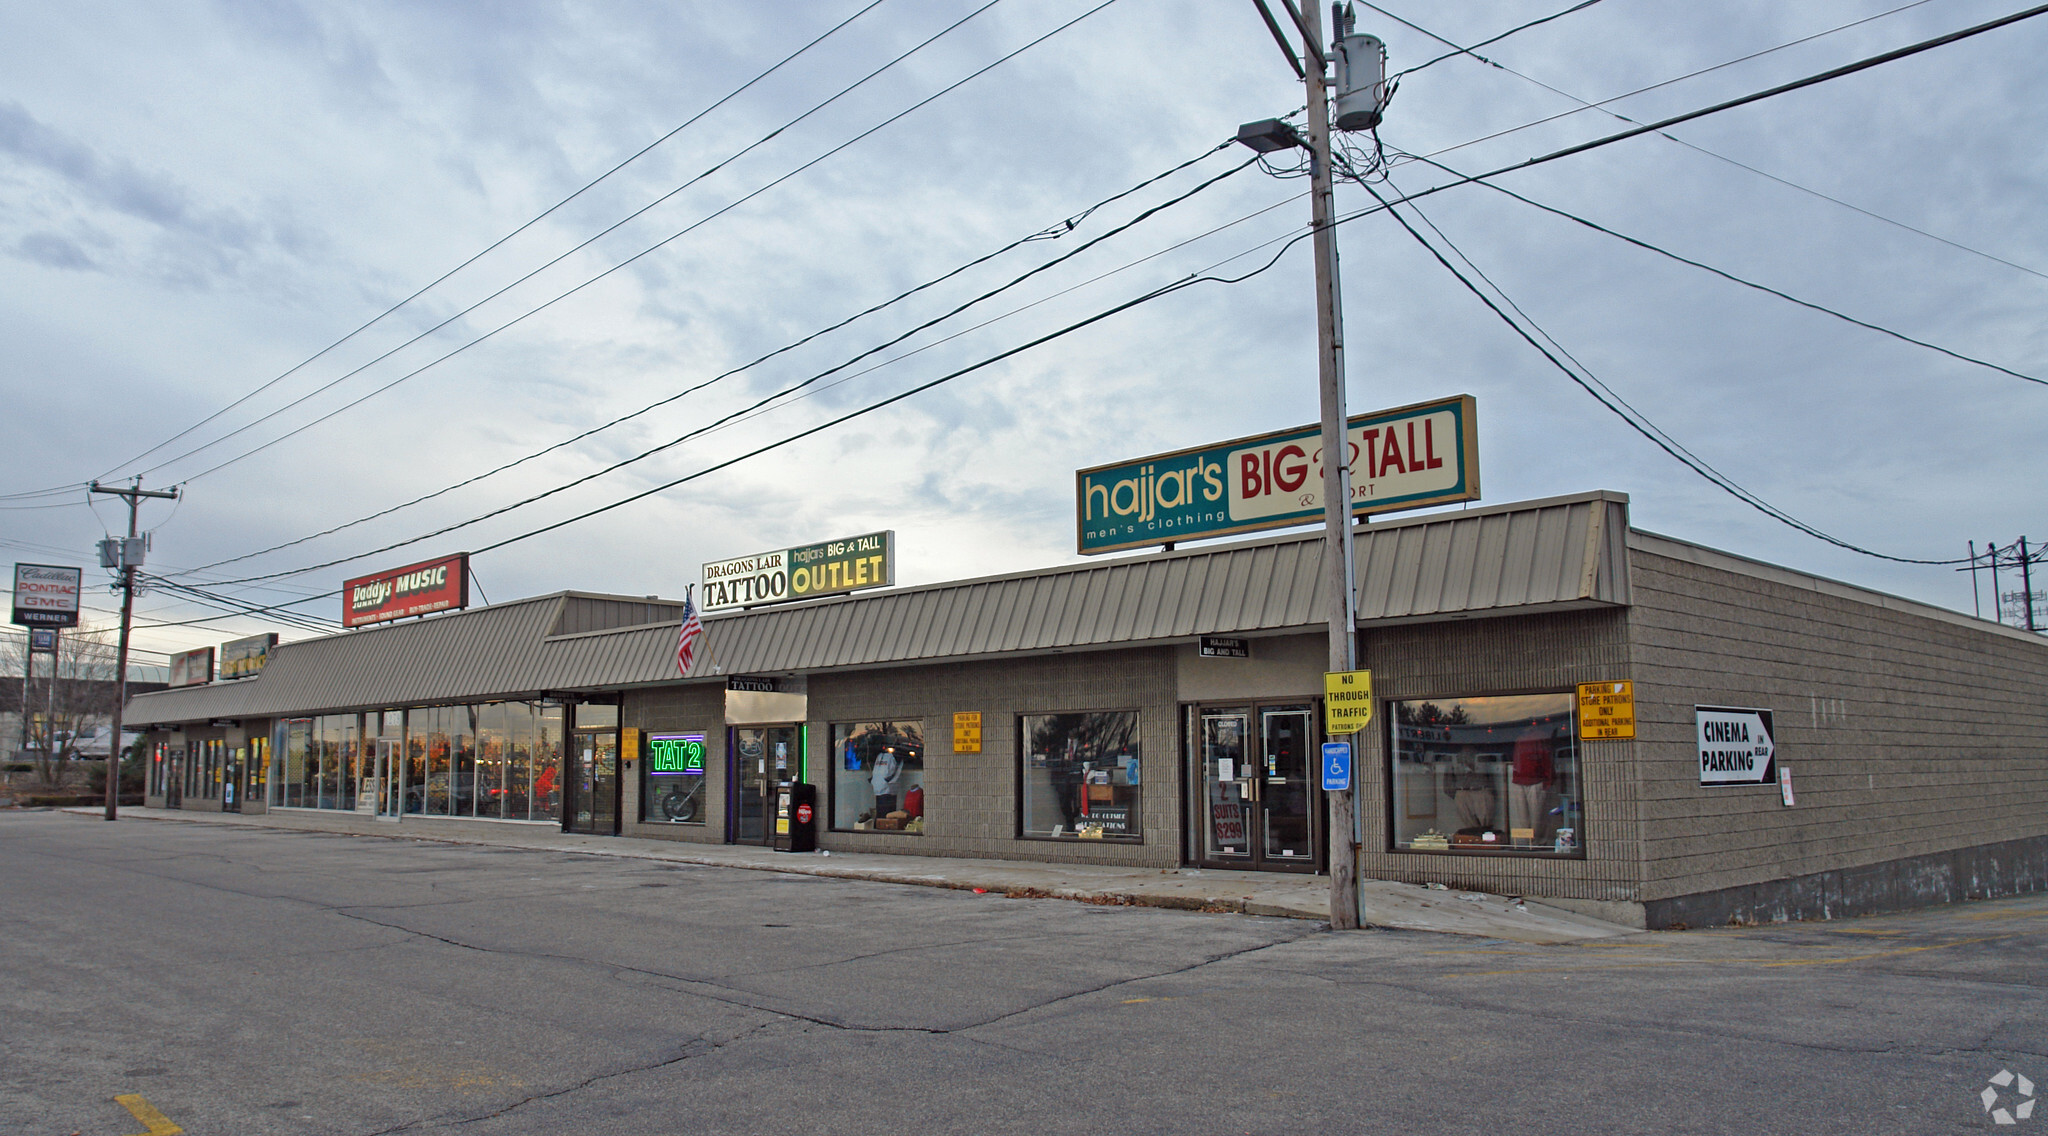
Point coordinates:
pixel 221 978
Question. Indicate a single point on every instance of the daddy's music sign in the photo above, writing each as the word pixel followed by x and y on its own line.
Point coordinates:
pixel 416 589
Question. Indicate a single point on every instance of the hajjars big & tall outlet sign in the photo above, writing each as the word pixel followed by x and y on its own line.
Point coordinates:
pixel 417 589
pixel 824 569
pixel 1426 454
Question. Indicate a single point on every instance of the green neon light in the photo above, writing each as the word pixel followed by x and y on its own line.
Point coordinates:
pixel 676 753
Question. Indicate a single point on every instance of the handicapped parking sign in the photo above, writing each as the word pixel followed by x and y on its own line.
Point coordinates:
pixel 1336 767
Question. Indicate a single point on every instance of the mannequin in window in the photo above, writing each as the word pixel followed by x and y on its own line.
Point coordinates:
pixel 1472 792
pixel 888 769
pixel 1533 774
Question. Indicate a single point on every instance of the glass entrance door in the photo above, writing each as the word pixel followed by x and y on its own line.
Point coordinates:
pixel 174 783
pixel 1258 802
pixel 594 782
pixel 762 757
pixel 381 787
pixel 231 780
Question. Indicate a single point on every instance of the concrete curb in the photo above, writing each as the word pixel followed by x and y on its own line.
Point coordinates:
pixel 1389 905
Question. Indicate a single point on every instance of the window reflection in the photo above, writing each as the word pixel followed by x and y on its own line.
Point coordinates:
pixel 1492 775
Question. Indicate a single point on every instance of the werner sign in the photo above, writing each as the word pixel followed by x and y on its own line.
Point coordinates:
pixel 1426 454
pixel 823 569
pixel 416 589
pixel 46 595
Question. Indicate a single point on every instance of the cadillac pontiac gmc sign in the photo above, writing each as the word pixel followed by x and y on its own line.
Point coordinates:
pixel 1426 454
pixel 417 589
pixel 46 595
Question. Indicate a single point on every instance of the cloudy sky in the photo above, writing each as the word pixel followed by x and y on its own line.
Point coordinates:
pixel 197 199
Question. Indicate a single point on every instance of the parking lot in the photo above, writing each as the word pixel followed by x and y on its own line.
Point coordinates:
pixel 234 979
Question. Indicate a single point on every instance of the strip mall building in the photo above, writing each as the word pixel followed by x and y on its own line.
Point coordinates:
pixel 1801 747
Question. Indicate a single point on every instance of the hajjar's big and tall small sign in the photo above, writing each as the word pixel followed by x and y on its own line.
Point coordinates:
pixel 1426 454
pixel 416 589
pixel 823 569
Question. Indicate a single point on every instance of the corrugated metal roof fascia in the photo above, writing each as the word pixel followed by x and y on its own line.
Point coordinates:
pixel 1176 605
pixel 1615 583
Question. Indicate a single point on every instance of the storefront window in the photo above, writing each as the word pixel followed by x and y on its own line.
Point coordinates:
pixel 878 777
pixel 1487 775
pixel 672 787
pixel 1080 776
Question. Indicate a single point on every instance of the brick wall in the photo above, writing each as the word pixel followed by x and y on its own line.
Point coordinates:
pixel 971 802
pixel 1511 655
pixel 698 708
pixel 1907 732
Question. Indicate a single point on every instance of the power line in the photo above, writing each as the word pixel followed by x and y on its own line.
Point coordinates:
pixel 1069 255
pixel 494 245
pixel 1730 104
pixel 1613 403
pixel 1383 205
pixel 1052 232
pixel 1729 276
pixel 616 267
pixel 1585 106
pixel 1472 51
pixel 1696 148
pixel 721 164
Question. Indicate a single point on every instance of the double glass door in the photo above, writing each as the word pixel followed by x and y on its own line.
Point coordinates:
pixel 762 757
pixel 593 806
pixel 1259 804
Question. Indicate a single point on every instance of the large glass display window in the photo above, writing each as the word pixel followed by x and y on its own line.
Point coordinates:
pixel 1492 775
pixel 1080 777
pixel 878 777
pixel 672 780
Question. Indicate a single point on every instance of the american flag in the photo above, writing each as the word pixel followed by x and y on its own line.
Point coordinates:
pixel 686 640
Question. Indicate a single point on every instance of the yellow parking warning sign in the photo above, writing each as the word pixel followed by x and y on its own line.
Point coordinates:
pixel 1347 702
pixel 967 731
pixel 1607 711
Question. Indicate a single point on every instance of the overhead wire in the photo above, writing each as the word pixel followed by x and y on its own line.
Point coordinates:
pixel 1579 148
pixel 1746 283
pixel 500 242
pixel 1070 254
pixel 1586 106
pixel 1606 397
pixel 1473 50
pixel 721 211
pixel 586 243
pixel 1052 232
pixel 1603 107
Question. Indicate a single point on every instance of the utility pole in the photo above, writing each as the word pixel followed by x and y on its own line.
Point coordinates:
pixel 131 559
pixel 2027 583
pixel 1339 599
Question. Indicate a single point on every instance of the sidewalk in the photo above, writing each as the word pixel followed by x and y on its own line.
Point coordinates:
pixel 1407 907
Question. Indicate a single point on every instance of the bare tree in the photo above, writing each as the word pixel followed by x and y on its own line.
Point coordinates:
pixel 65 711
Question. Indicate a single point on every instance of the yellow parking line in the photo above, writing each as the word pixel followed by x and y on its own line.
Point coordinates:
pixel 157 1122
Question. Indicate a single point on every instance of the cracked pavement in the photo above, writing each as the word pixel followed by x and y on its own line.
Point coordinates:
pixel 256 981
